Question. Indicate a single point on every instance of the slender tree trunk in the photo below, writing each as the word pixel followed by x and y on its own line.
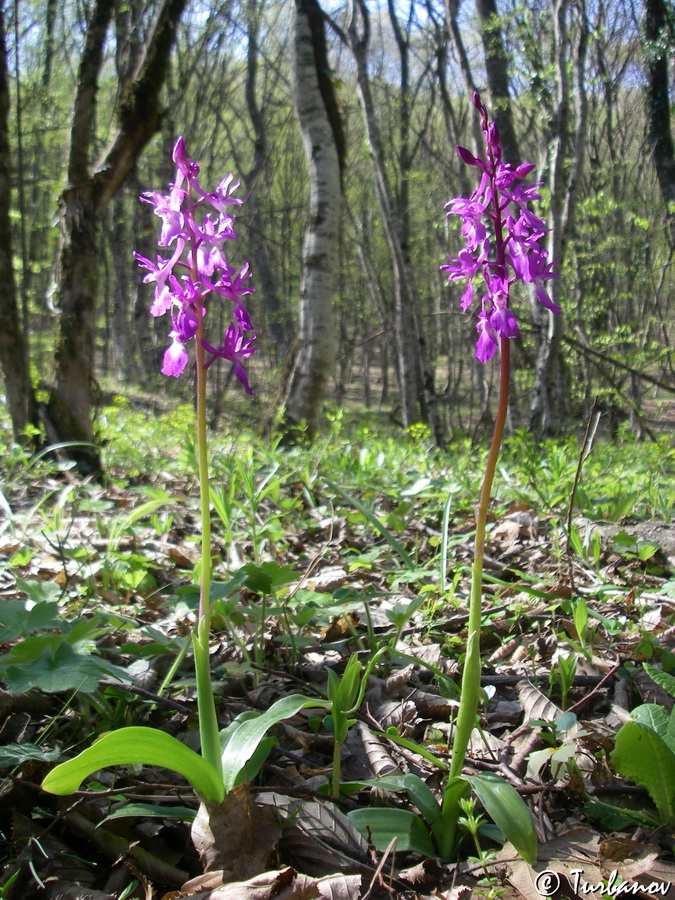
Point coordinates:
pixel 404 296
pixel 315 108
pixel 497 70
pixel 427 399
pixel 658 101
pixel 263 267
pixel 457 42
pixel 86 194
pixel 13 358
pixel 550 405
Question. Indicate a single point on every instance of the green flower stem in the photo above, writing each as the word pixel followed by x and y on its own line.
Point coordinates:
pixel 208 720
pixel 466 717
pixel 337 765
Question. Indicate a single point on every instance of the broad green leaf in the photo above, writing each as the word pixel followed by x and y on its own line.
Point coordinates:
pixel 653 716
pixel 418 791
pixel 624 506
pixel 54 671
pixel 508 811
pixel 15 754
pixel 250 733
pixel 268 577
pixel 137 745
pixel 645 758
pixel 40 591
pixel 663 679
pixel 381 825
pixel 423 797
pixel 12 620
pixel 646 549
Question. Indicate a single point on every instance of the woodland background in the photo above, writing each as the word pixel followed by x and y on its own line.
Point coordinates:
pixel 93 95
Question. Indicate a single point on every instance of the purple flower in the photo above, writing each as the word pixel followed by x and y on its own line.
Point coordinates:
pixel 222 197
pixel 197 245
pixel 516 252
pixel 235 348
pixel 486 344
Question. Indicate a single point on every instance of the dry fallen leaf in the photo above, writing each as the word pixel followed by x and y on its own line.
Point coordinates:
pixel 235 836
pixel 576 864
pixel 287 884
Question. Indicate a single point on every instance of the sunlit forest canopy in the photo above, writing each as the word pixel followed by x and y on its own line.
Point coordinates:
pixel 575 89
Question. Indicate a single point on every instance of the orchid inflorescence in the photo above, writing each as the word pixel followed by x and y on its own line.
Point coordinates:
pixel 517 255
pixel 198 250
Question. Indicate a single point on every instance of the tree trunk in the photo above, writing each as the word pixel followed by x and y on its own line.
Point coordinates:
pixel 263 268
pixel 497 71
pixel 657 100
pixel 315 108
pixel 404 295
pixel 550 405
pixel 86 193
pixel 13 357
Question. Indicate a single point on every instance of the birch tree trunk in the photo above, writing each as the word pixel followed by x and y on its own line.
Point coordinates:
pixel 87 192
pixel 404 294
pixel 13 357
pixel 550 405
pixel 316 110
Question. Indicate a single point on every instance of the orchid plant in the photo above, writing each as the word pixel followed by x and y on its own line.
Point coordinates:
pixel 502 246
pixel 502 237
pixel 194 273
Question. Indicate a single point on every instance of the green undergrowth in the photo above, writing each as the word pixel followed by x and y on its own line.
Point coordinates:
pixel 356 545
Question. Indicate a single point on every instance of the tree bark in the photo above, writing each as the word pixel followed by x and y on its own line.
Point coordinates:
pixel 315 107
pixel 87 192
pixel 410 387
pixel 550 405
pixel 497 71
pixel 263 267
pixel 13 356
pixel 658 102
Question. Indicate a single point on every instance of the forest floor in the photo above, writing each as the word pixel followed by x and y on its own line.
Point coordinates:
pixel 323 554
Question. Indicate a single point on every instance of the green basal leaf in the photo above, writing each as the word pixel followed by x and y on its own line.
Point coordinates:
pixel 393 735
pixel 455 790
pixel 137 745
pixel 256 762
pixel 637 745
pixel 150 811
pixel 251 732
pixel 381 825
pixel 419 792
pixel 508 811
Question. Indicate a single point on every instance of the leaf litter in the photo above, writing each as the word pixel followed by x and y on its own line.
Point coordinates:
pixel 98 603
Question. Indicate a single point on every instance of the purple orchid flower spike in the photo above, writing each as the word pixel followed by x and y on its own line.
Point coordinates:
pixel 501 245
pixel 197 254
